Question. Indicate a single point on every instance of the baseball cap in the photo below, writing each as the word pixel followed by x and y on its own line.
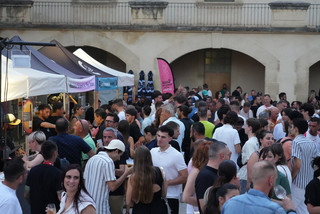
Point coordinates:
pixel 12 120
pixel 116 144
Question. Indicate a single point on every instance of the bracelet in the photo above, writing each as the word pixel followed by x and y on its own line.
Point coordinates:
pixel 290 210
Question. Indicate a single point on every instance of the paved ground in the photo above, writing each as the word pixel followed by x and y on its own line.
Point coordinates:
pixel 182 209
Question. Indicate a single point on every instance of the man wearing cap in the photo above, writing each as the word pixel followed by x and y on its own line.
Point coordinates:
pixel 10 122
pixel 100 177
pixel 116 197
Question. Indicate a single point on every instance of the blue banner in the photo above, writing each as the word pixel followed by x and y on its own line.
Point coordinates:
pixel 109 83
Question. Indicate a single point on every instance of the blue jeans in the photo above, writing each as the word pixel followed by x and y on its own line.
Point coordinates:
pixel 243 185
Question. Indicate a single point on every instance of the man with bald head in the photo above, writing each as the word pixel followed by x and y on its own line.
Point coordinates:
pixel 81 129
pixel 70 146
pixel 264 176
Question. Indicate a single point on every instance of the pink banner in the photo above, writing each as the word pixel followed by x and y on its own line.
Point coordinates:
pixel 166 78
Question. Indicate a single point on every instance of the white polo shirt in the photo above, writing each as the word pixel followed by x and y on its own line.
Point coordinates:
pixel 172 162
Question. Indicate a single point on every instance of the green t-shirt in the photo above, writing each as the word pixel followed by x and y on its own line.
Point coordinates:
pixel 282 180
pixel 91 143
pixel 208 128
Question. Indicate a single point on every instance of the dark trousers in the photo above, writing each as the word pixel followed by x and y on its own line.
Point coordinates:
pixel 174 205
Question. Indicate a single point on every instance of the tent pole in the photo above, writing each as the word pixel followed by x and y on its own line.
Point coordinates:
pixel 64 101
pixel 117 93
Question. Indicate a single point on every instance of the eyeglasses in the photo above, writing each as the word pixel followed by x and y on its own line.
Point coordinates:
pixel 109 121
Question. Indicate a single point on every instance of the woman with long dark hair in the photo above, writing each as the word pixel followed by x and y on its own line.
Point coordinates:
pixel 124 128
pixel 265 140
pixel 146 186
pixel 219 196
pixel 75 198
pixel 227 173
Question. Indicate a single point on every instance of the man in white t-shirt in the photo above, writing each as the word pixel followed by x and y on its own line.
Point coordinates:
pixel 118 106
pixel 312 133
pixel 99 175
pixel 15 173
pixel 173 165
pixel 267 104
pixel 168 114
pixel 229 135
pixel 157 97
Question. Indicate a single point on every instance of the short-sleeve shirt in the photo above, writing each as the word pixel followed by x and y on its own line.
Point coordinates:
pixel 44 183
pixel 230 136
pixel 284 182
pixel 70 147
pixel 99 170
pixel 306 151
pixel 182 128
pixel 88 139
pixel 312 195
pixel 122 161
pixel 172 162
pixel 206 178
pixel 53 120
pixel 36 126
pixel 9 203
pixel 135 131
pixel 208 127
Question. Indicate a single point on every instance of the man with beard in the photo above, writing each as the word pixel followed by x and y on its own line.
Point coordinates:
pixel 264 175
pixel 39 123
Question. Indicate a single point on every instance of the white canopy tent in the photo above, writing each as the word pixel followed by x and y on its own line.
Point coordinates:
pixel 124 79
pixel 28 82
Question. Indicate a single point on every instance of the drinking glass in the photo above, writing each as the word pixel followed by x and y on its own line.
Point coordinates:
pixel 51 208
pixel 280 192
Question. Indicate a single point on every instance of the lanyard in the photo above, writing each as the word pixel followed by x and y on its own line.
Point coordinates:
pixel 48 163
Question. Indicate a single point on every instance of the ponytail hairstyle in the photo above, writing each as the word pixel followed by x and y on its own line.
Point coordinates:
pixel 227 171
pixel 212 206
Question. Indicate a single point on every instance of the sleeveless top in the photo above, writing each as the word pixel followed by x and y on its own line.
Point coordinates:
pixel 157 205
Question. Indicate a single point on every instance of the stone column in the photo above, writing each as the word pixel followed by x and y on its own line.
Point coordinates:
pixel 289 14
pixel 271 83
pixel 15 11
pixel 148 12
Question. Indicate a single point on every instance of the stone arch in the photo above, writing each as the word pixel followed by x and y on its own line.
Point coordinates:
pixel 100 41
pixel 246 46
pixel 302 65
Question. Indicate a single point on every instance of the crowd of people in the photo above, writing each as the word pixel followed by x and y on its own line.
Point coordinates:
pixel 218 153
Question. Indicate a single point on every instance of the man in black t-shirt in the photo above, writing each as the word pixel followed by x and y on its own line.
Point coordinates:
pixel 44 180
pixel 135 132
pixel 218 152
pixel 39 123
pixel 57 112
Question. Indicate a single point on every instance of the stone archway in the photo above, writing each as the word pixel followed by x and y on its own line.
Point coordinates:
pixel 302 66
pixel 216 67
pixel 218 41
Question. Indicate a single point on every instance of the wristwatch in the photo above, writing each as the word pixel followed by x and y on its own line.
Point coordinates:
pixel 290 211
